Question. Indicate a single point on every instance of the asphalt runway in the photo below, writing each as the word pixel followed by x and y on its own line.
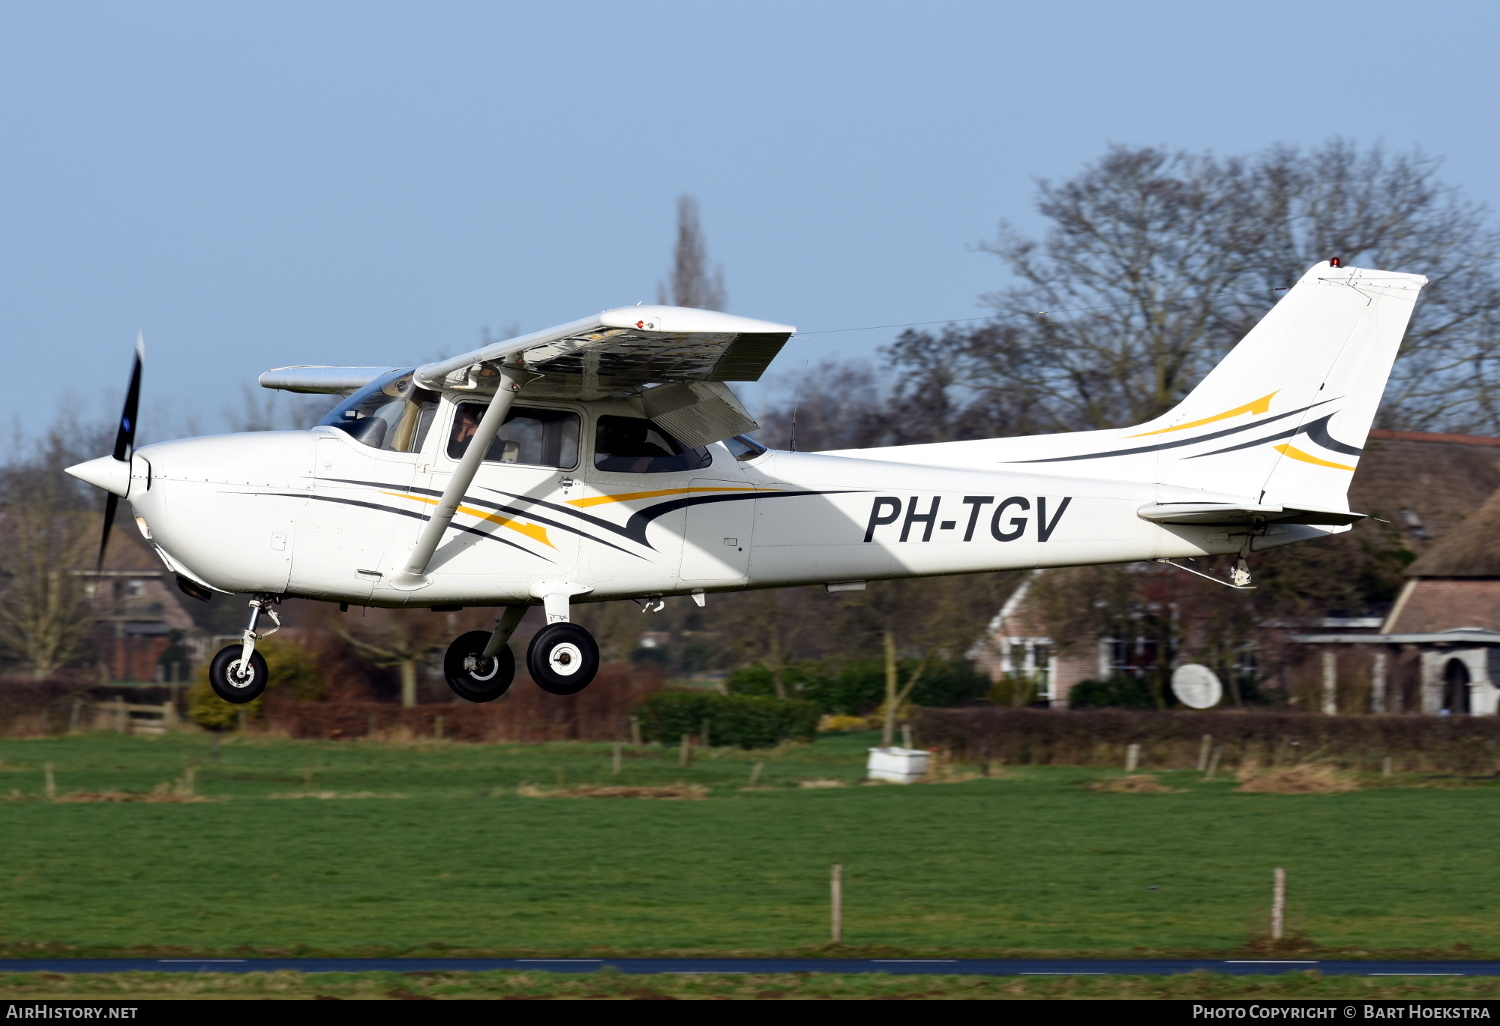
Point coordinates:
pixel 907 966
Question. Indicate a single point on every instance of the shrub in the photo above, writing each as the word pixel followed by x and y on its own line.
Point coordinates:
pixel 748 721
pixel 857 688
pixel 1119 692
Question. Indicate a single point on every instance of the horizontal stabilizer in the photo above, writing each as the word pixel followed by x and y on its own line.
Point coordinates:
pixel 1215 514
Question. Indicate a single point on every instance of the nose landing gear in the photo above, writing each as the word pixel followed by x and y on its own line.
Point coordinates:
pixel 238 673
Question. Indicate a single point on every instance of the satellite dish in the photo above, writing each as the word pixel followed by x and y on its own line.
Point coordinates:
pixel 1196 686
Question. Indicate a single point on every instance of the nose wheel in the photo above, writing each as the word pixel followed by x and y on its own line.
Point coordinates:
pixel 238 673
pixel 563 658
pixel 236 679
pixel 474 676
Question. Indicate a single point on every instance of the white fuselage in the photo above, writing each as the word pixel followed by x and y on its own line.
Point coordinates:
pixel 318 514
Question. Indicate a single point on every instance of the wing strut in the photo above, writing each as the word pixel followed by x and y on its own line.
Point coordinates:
pixel 414 574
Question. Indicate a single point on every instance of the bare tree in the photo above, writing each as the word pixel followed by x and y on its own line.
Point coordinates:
pixel 1156 262
pixel 48 535
pixel 399 638
pixel 690 282
pixel 264 409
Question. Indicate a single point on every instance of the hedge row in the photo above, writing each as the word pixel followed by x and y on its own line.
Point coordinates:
pixel 745 721
pixel 1456 744
pixel 856 688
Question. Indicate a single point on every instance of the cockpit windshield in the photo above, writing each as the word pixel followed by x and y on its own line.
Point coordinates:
pixel 389 413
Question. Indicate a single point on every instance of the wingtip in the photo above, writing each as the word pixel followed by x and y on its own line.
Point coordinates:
pixel 140 345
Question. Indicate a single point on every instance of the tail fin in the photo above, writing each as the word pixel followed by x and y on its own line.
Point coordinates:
pixel 1284 417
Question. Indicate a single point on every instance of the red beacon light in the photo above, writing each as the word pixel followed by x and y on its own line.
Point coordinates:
pixel 1335 262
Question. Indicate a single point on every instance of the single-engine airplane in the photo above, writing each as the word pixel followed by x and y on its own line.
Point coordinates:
pixel 609 459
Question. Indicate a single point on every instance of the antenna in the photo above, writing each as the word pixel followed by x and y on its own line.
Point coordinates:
pixel 796 402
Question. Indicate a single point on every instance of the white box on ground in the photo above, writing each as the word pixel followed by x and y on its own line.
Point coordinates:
pixel 898 765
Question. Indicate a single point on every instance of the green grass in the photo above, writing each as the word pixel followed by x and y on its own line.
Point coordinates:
pixel 445 856
pixel 770 986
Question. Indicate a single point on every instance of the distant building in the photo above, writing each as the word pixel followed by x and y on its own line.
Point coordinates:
pixel 142 629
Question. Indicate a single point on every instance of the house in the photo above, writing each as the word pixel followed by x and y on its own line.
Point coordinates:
pixel 1444 625
pixel 142 628
pixel 1435 649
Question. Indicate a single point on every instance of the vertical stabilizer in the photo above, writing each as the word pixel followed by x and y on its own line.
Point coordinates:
pixel 1284 417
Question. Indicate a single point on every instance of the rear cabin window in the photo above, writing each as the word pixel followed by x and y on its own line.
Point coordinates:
pixel 633 445
pixel 531 435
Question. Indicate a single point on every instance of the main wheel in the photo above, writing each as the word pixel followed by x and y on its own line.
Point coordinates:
pixel 471 675
pixel 563 658
pixel 233 682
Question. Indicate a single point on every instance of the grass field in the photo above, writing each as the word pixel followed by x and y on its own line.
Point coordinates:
pixel 439 986
pixel 363 848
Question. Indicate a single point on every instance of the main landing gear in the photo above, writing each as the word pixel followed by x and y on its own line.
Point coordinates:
pixel 562 658
pixel 238 673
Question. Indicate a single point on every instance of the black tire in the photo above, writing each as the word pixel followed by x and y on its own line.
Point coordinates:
pixel 563 658
pixel 229 684
pixel 484 683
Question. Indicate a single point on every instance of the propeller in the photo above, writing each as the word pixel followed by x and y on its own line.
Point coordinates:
pixel 124 440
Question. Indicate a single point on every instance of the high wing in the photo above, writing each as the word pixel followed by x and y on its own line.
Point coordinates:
pixel 623 349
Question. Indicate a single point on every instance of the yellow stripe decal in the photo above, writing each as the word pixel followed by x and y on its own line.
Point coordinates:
pixel 599 500
pixel 1297 454
pixel 1260 405
pixel 534 531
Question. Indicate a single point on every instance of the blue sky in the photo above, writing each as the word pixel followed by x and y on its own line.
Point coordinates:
pixel 261 184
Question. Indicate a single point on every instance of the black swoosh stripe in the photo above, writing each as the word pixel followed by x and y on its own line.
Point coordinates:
pixel 1318 432
pixel 497 507
pixel 422 516
pixel 633 530
pixel 1179 443
pixel 635 527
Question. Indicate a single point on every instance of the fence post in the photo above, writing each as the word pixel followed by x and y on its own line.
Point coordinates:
pixel 437 726
pixel 50 785
pixel 836 893
pixel 1132 757
pixel 1278 905
pixel 1213 763
pixel 685 755
pixel 1387 767
pixel 614 758
pixel 635 731
pixel 1203 751
pixel 755 773
pixel 1377 683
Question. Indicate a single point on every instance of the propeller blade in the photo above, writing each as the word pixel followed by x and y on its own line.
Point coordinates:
pixel 125 436
pixel 110 505
pixel 124 440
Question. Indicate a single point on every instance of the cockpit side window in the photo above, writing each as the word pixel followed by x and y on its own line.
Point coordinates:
pixel 634 445
pixel 531 435
pixel 389 413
